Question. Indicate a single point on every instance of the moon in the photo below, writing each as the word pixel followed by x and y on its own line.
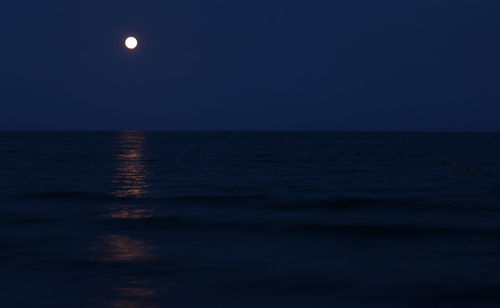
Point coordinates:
pixel 131 42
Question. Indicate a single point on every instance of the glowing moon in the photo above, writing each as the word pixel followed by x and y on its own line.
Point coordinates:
pixel 131 42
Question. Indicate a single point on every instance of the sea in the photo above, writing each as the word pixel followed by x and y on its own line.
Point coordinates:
pixel 249 219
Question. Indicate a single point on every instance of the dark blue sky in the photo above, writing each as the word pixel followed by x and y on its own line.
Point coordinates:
pixel 261 64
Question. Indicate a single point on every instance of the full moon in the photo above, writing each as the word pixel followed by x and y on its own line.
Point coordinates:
pixel 131 42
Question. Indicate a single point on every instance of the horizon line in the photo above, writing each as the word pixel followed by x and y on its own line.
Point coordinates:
pixel 240 130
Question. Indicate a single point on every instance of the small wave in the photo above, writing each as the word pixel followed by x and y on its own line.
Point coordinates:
pixel 296 283
pixel 410 204
pixel 64 195
pixel 337 204
pixel 391 230
pixel 284 225
pixel 197 223
pixel 216 198
pixel 97 196
pixel 29 219
pixel 37 220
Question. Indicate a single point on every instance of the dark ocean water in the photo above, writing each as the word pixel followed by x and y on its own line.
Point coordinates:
pixel 206 219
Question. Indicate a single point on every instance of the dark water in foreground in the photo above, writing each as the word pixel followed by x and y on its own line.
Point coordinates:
pixel 138 219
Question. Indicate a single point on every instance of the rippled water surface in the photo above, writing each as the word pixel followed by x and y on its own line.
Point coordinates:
pixel 208 219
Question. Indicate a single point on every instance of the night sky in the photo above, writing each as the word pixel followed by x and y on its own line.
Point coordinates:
pixel 250 65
